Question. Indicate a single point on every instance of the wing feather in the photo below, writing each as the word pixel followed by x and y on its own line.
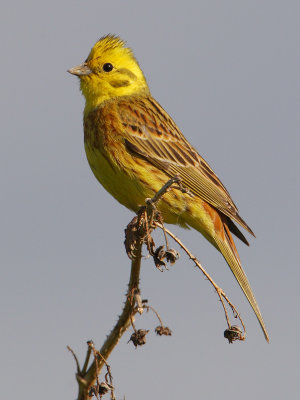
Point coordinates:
pixel 149 132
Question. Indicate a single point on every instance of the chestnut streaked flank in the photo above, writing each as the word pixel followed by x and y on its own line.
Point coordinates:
pixel 133 147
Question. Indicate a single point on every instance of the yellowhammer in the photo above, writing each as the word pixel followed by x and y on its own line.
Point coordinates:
pixel 133 147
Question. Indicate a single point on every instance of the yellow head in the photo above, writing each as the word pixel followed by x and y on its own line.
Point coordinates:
pixel 110 71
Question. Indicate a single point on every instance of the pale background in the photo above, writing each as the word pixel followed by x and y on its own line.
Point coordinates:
pixel 226 71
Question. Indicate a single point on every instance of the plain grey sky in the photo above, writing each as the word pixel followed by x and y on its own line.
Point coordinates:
pixel 226 72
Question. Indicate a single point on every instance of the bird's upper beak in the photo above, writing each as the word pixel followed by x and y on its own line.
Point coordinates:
pixel 80 70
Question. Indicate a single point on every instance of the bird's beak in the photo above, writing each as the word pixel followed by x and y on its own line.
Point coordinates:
pixel 80 70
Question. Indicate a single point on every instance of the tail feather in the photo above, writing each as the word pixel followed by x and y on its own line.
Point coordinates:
pixel 229 252
pixel 235 230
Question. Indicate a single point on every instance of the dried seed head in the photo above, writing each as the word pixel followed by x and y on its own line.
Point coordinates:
pixel 172 256
pixel 100 389
pixel 131 237
pixel 138 338
pixel 158 257
pixel 163 330
pixel 103 388
pixel 233 334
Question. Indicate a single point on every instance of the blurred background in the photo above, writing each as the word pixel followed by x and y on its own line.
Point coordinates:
pixel 226 72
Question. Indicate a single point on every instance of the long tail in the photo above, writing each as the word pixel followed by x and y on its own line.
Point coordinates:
pixel 227 247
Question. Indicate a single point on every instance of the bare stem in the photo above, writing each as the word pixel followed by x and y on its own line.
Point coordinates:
pixel 123 323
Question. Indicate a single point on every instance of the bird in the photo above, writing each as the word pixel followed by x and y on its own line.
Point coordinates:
pixel 134 147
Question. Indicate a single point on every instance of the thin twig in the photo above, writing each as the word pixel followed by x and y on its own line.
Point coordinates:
pixel 87 359
pixel 218 289
pixel 164 231
pixel 155 312
pixel 98 355
pixel 92 347
pixel 132 322
pixel 75 358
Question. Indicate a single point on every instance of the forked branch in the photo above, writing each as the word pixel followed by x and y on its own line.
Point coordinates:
pixel 86 378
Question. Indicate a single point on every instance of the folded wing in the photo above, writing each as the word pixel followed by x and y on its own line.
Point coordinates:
pixel 150 133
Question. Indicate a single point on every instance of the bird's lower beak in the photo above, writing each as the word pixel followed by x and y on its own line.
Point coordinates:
pixel 80 70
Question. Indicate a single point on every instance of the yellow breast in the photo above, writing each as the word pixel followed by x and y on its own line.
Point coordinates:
pixel 120 183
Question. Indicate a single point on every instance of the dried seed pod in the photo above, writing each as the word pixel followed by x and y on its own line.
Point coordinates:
pixel 103 388
pixel 234 333
pixel 158 257
pixel 163 330
pixel 138 337
pixel 131 237
pixel 172 256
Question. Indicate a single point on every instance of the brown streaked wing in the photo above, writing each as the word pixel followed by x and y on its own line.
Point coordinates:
pixel 151 133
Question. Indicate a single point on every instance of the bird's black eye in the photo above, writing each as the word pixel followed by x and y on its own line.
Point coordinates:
pixel 107 67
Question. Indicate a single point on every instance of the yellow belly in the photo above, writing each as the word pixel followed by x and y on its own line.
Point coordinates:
pixel 118 183
pixel 131 186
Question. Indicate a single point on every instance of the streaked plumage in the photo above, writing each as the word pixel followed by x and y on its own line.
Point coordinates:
pixel 133 147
